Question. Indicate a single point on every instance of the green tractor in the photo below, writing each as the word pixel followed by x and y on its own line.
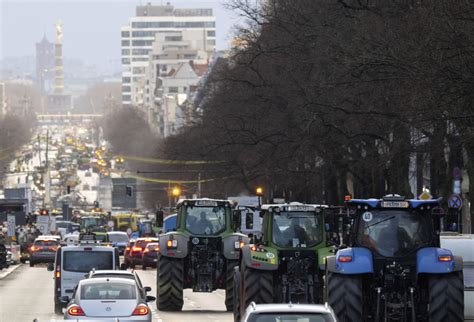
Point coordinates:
pixel 201 254
pixel 287 265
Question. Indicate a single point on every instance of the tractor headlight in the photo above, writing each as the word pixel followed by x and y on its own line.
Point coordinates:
pixel 172 243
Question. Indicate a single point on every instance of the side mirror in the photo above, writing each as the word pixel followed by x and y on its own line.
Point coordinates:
pixel 249 220
pixel 123 267
pixel 147 289
pixel 64 299
pixel 50 267
pixel 150 298
pixel 236 219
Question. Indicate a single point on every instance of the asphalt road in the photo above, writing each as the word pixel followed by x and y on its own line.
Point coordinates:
pixel 27 293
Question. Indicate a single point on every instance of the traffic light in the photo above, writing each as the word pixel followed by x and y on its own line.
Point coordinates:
pixel 128 191
pixel 44 212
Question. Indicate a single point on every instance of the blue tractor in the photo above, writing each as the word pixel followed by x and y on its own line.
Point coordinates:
pixel 390 266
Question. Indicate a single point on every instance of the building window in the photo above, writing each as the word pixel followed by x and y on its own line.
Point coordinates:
pixel 142 33
pixel 173 89
pixel 125 34
pixel 125 43
pixel 140 51
pixel 126 98
pixel 126 89
pixel 125 52
pixel 126 61
pixel 126 80
pixel 138 70
pixel 173 24
pixel 173 38
pixel 140 59
pixel 211 33
pixel 211 42
pixel 141 43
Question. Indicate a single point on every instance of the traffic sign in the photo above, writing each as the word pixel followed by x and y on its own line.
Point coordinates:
pixel 11 225
pixel 425 196
pixel 455 201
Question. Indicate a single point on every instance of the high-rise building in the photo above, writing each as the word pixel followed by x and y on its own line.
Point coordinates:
pixel 3 100
pixel 138 37
pixel 44 63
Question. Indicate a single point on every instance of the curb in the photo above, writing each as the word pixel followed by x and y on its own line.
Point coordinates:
pixel 10 270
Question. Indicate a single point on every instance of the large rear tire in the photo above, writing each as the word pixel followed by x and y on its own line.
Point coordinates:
pixel 170 283
pixel 258 287
pixel 345 296
pixel 229 284
pixel 237 295
pixel 446 297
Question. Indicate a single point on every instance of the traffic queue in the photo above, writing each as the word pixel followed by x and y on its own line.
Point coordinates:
pixel 310 260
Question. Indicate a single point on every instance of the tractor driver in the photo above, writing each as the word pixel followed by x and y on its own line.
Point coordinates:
pixel 393 239
pixel 203 224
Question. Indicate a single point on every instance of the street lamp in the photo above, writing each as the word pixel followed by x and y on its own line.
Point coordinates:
pixel 176 192
pixel 259 193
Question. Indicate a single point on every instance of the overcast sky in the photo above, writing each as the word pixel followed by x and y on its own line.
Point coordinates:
pixel 91 28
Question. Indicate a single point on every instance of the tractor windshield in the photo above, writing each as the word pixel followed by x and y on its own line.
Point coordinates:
pixel 394 233
pixel 297 229
pixel 205 220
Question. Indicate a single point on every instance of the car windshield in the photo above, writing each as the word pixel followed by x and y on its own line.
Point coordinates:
pixel 90 222
pixel 108 291
pixel 297 229
pixel 117 238
pixel 394 233
pixel 205 220
pixel 290 317
pixel 85 261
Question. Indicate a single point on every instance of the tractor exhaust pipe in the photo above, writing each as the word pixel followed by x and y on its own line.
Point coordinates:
pixel 412 299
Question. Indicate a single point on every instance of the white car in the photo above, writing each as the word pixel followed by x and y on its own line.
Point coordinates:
pixel 108 298
pixel 289 312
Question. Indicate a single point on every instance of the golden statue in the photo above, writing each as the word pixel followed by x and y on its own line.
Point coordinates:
pixel 59 33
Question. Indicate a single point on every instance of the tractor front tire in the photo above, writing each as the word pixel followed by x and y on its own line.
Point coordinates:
pixel 257 286
pixel 345 296
pixel 170 283
pixel 446 297
pixel 229 284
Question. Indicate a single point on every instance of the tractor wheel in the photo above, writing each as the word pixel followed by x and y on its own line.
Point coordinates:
pixel 229 284
pixel 258 287
pixel 237 295
pixel 32 264
pixel 446 297
pixel 345 296
pixel 170 283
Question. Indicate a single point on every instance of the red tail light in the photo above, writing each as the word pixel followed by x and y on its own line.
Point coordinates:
pixel 75 310
pixel 141 310
pixel 136 249
pixel 34 248
pixel 147 250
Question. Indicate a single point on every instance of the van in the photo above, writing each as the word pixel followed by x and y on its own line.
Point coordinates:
pixel 73 263
pixel 463 245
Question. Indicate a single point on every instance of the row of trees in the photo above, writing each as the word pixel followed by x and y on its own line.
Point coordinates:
pixel 324 98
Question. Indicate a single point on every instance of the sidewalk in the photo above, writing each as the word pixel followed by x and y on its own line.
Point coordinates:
pixel 7 271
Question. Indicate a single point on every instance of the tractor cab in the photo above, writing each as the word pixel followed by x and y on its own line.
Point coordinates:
pixel 393 227
pixel 204 217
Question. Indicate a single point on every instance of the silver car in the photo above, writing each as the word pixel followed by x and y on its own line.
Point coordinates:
pixel 108 298
pixel 289 313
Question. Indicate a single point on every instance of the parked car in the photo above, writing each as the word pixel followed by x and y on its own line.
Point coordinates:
pixel 288 312
pixel 101 298
pixel 150 255
pixel 118 239
pixel 43 250
pixel 121 274
pixel 135 255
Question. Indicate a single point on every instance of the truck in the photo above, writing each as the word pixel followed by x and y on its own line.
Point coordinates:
pixel 287 264
pixel 200 254
pixel 391 267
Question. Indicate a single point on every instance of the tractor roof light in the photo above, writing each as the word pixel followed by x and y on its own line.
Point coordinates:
pixel 445 258
pixel 344 259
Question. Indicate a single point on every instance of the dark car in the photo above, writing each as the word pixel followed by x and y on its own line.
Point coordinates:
pixel 43 251
pixel 126 252
pixel 150 255
pixel 135 255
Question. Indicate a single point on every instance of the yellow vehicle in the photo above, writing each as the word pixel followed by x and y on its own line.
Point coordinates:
pixel 123 221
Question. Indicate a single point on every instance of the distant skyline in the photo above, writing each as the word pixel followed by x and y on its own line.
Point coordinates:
pixel 91 29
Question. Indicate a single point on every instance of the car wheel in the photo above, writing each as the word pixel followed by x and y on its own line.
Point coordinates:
pixel 32 263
